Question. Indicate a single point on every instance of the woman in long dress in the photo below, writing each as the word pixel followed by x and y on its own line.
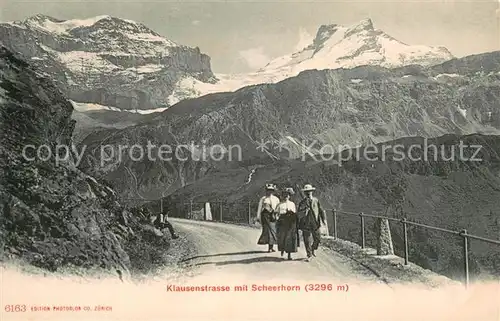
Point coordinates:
pixel 288 234
pixel 266 214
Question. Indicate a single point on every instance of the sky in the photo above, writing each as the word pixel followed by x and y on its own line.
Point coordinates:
pixel 244 35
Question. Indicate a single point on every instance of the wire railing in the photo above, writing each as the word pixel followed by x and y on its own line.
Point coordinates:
pixel 221 215
pixel 405 223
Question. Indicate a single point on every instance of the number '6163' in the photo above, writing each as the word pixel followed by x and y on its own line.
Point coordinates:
pixel 15 308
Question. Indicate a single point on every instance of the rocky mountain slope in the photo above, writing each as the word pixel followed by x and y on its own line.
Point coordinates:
pixel 53 215
pixel 438 190
pixel 107 60
pixel 90 121
pixel 315 112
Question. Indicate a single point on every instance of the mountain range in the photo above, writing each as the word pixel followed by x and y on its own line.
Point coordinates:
pixel 106 62
pixel 335 46
pixel 352 107
pixel 371 88
pixel 352 86
pixel 107 65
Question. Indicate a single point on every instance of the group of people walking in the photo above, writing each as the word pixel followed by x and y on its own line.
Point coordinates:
pixel 281 221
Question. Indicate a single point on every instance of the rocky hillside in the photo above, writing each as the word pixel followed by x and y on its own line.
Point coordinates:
pixel 107 60
pixel 315 112
pixel 53 215
pixel 95 120
pixel 438 190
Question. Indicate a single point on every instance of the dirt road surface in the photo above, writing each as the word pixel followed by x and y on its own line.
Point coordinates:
pixel 229 255
pixel 270 288
pixel 225 249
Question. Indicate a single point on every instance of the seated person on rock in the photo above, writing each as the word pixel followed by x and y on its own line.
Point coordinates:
pixel 161 222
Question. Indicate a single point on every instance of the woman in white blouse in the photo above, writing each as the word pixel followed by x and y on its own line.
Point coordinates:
pixel 288 234
pixel 266 215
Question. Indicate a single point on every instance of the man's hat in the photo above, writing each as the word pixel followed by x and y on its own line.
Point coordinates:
pixel 308 187
pixel 289 191
pixel 270 187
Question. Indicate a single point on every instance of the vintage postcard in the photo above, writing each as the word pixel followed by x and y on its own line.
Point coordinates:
pixel 249 160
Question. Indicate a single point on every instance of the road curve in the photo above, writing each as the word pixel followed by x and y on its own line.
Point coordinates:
pixel 232 250
pixel 228 256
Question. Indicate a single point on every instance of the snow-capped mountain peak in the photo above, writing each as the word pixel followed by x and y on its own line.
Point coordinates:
pixel 91 29
pixel 52 25
pixel 324 33
pixel 337 46
pixel 363 25
pixel 106 60
pixel 334 46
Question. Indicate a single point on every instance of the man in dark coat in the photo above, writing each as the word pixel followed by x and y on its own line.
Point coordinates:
pixel 311 216
pixel 161 222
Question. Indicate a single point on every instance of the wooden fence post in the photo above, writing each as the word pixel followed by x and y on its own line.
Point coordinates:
pixel 361 215
pixel 249 212
pixel 463 233
pixel 334 224
pixel 405 239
